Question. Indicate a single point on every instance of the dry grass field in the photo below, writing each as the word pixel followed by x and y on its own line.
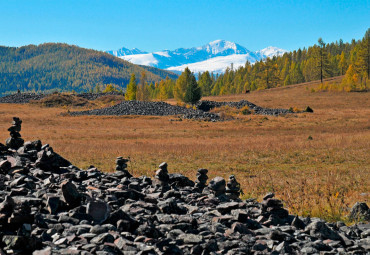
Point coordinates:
pixel 319 177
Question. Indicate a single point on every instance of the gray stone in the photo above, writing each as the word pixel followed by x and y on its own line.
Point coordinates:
pixel 191 238
pixel 360 211
pixel 53 204
pixel 70 194
pixel 320 230
pixel 98 210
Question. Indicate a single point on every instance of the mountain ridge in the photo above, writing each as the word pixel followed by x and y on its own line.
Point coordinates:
pixel 215 56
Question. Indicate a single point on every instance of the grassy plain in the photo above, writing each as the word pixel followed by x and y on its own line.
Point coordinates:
pixel 322 176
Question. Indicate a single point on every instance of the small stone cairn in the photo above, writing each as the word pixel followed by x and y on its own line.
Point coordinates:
pixel 15 141
pixel 121 166
pixel 272 209
pixel 233 188
pixel 218 186
pixel 162 177
pixel 202 178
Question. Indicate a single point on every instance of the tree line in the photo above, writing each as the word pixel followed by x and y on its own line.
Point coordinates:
pixel 320 61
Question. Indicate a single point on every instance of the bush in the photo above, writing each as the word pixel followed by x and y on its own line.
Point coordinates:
pixel 294 109
pixel 308 109
pixel 245 110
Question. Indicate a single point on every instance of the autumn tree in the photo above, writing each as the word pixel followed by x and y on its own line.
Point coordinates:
pixel 270 74
pixel 350 80
pixel 110 88
pixel 131 89
pixel 143 93
pixel 342 63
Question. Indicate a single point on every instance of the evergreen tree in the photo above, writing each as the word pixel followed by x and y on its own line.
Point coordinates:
pixel 193 92
pixel 186 88
pixel 205 83
pixel 324 64
pixel 131 88
pixel 363 63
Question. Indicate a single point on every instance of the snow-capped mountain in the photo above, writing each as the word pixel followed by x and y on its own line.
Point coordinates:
pixel 123 52
pixel 271 51
pixel 215 57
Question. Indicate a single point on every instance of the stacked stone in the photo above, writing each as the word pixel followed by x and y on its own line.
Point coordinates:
pixel 233 188
pixel 218 186
pixel 202 178
pixel 15 141
pixel 273 209
pixel 162 177
pixel 121 165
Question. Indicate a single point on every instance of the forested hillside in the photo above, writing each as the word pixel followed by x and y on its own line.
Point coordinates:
pixel 322 60
pixel 66 67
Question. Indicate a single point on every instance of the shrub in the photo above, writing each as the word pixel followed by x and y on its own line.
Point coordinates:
pixel 245 110
pixel 308 109
pixel 294 109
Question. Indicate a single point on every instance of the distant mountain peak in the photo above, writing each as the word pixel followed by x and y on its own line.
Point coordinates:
pixel 125 52
pixel 219 46
pixel 271 51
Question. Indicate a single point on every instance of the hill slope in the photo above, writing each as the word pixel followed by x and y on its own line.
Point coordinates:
pixel 66 67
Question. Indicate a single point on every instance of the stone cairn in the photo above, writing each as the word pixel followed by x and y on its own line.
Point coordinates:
pixel 218 186
pixel 162 177
pixel 202 178
pixel 121 166
pixel 272 209
pixel 233 188
pixel 15 141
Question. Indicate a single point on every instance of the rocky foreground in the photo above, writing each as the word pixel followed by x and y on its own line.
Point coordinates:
pixel 49 206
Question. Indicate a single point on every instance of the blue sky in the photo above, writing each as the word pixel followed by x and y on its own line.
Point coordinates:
pixel 156 25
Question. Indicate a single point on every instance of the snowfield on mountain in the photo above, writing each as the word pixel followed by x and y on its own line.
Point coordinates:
pixel 215 57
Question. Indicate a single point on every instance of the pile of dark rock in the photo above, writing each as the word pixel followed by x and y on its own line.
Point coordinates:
pixel 25 98
pixel 21 98
pixel 150 108
pixel 208 105
pixel 164 109
pixel 49 206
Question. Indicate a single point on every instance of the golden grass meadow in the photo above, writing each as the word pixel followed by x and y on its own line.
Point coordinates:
pixel 319 177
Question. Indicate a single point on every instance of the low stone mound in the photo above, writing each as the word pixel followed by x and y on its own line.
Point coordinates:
pixel 59 100
pixel 49 206
pixel 21 98
pixel 209 105
pixel 25 98
pixel 149 108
